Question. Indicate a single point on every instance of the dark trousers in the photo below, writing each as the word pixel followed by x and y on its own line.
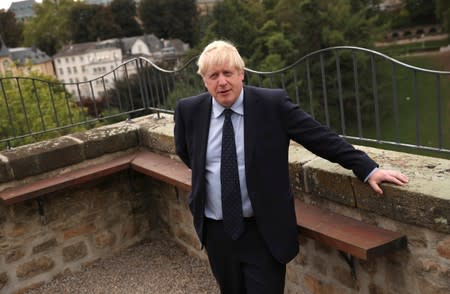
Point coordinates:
pixel 243 266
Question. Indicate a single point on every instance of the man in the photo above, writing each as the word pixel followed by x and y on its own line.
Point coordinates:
pixel 235 139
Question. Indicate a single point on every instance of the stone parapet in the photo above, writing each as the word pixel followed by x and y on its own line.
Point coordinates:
pixel 109 214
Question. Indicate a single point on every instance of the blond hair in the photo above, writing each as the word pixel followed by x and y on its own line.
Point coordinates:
pixel 219 53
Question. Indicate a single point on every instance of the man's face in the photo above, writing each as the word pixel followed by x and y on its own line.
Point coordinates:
pixel 224 83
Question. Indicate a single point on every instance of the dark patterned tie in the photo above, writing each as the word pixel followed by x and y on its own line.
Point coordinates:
pixel 229 179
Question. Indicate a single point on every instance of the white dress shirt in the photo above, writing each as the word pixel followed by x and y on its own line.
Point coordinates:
pixel 213 205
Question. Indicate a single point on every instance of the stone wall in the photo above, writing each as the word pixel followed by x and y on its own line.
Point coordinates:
pixel 104 216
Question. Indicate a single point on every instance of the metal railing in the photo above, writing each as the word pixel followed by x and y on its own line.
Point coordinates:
pixel 362 94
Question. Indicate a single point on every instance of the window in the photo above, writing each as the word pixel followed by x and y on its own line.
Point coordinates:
pixel 61 71
pixel 69 71
pixel 74 69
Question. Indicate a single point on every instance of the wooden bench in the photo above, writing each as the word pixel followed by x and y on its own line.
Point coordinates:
pixel 350 236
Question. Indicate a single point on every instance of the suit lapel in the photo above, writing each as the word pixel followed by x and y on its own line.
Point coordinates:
pixel 202 124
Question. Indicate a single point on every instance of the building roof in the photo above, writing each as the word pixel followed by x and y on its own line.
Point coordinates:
pixel 83 48
pixel 154 44
pixel 23 55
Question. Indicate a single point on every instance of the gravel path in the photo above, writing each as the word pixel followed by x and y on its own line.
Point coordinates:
pixel 157 266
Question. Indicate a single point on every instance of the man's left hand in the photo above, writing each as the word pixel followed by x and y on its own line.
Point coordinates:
pixel 383 175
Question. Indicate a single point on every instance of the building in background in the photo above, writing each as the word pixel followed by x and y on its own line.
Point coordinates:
pixel 80 67
pixel 88 69
pixel 22 9
pixel 24 60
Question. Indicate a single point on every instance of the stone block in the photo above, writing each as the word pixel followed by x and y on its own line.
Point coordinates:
pixel 34 267
pixel 108 139
pixel 157 133
pixel 41 157
pixel 4 170
pixel 344 276
pixel 78 231
pixel 320 265
pixel 104 239
pixel 330 181
pixel 375 289
pixel 130 229
pixel 427 287
pixel 443 248
pixel 45 246
pixel 368 200
pixel 74 252
pixel 316 286
pixel 14 255
pixel 3 280
pixel 298 157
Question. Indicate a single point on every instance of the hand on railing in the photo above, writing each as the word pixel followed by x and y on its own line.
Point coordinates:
pixel 383 175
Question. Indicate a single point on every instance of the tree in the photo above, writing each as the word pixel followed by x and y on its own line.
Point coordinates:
pixel 237 22
pixel 442 12
pixel 91 23
pixel 421 11
pixel 11 31
pixel 41 104
pixel 49 29
pixel 169 18
pixel 124 15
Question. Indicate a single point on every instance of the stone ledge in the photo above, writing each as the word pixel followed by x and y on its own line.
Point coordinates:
pixel 108 139
pixel 425 201
pixel 37 158
pixel 49 156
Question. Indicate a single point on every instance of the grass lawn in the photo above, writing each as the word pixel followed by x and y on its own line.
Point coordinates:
pixel 418 106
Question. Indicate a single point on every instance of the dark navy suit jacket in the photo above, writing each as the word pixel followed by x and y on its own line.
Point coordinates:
pixel 271 120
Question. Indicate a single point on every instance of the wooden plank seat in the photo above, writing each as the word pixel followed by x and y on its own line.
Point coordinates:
pixel 346 234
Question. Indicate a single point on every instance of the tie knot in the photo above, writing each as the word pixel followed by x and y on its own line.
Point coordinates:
pixel 228 112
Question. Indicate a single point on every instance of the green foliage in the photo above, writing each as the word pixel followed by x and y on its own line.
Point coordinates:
pixel 124 13
pixel 92 22
pixel 10 29
pixel 49 29
pixel 36 104
pixel 169 18
pixel 442 11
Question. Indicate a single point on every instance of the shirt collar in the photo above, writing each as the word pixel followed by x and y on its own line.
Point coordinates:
pixel 237 107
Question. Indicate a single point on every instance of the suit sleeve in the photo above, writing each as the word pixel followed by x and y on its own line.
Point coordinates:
pixel 181 147
pixel 320 140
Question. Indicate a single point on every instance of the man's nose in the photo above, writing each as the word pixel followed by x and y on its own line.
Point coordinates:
pixel 222 80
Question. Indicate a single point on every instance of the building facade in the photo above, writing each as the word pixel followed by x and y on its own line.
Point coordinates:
pixel 89 69
pixel 23 61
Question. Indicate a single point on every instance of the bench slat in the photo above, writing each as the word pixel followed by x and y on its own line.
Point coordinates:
pixel 163 168
pixel 344 233
pixel 69 179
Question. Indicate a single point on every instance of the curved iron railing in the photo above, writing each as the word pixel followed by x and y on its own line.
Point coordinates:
pixel 362 94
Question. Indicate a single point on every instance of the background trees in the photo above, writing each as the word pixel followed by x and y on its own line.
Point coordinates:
pixel 10 29
pixel 49 29
pixel 169 18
